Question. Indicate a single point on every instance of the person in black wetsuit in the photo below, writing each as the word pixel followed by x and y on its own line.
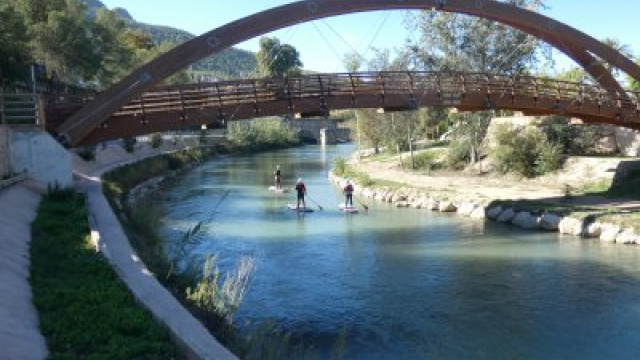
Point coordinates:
pixel 278 178
pixel 301 190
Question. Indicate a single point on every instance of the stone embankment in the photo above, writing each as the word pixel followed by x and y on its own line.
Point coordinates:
pixel 407 197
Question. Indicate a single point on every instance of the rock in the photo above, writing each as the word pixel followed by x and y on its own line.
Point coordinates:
pixel 446 206
pixel 627 237
pixel 397 197
pixel 550 221
pixel 479 213
pixel 419 202
pixel 433 204
pixel 610 233
pixel 402 204
pixel 593 230
pixel 525 220
pixel 506 216
pixel 466 208
pixel 494 212
pixel 571 226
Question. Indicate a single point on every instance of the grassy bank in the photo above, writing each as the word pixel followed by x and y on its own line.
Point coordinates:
pixel 85 311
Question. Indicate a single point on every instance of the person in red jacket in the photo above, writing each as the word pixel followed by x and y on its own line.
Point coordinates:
pixel 301 190
pixel 348 192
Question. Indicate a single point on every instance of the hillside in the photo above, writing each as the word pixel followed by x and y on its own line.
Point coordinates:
pixel 231 63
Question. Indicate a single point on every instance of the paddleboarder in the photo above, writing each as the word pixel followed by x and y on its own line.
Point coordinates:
pixel 278 177
pixel 348 192
pixel 301 190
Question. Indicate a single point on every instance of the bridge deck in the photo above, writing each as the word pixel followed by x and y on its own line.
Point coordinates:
pixel 175 107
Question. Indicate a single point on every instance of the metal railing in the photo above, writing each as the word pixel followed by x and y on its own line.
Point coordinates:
pixel 447 84
pixel 19 109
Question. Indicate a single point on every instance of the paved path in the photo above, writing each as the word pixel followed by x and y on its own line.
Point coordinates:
pixel 114 244
pixel 20 337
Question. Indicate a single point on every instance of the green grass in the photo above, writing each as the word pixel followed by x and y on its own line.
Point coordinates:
pixel 85 311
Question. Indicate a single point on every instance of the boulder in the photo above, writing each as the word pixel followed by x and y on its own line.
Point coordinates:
pixel 466 208
pixel 446 206
pixel 402 204
pixel 570 226
pixel 550 221
pixel 525 220
pixel 433 204
pixel 610 233
pixel 397 197
pixel 479 213
pixel 494 212
pixel 506 216
pixel 593 230
pixel 627 237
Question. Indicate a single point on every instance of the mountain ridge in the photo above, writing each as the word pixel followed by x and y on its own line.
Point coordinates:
pixel 228 64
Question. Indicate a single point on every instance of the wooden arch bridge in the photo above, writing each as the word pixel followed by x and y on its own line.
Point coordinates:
pixel 171 108
pixel 133 106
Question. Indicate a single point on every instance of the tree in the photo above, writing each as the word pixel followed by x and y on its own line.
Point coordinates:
pixel 450 41
pixel 455 42
pixel 616 45
pixel 276 59
pixel 14 53
pixel 352 61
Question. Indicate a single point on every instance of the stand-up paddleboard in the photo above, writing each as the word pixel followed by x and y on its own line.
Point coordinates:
pixel 302 209
pixel 279 191
pixel 348 209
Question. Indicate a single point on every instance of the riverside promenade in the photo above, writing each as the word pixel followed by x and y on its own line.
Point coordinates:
pixel 20 337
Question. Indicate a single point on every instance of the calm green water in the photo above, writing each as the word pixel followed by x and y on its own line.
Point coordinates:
pixel 405 283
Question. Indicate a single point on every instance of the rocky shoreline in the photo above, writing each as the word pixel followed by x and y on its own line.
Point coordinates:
pixel 407 197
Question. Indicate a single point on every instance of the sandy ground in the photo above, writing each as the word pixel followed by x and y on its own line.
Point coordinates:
pixel 477 184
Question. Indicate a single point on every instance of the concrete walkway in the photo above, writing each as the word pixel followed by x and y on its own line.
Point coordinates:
pixel 114 244
pixel 20 337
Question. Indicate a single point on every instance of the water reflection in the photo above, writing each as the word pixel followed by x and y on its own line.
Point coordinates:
pixel 405 283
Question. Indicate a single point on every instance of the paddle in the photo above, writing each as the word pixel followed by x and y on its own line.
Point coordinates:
pixel 366 208
pixel 320 207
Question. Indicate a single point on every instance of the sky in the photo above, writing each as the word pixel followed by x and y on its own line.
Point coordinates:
pixel 323 43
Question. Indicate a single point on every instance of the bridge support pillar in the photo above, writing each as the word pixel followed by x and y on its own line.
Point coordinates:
pixel 327 137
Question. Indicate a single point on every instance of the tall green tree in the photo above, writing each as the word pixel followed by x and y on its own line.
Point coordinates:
pixel 451 41
pixel 276 59
pixel 14 54
pixel 455 42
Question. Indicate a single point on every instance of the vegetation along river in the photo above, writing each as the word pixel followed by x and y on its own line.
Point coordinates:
pixel 405 283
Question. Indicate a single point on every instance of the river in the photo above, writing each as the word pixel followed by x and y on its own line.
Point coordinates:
pixel 405 283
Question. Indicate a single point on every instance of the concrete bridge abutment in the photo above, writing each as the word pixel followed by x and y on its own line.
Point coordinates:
pixel 32 151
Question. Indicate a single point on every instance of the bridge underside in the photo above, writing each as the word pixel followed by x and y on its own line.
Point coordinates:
pixel 217 103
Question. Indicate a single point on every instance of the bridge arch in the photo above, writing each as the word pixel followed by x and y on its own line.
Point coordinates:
pixel 577 45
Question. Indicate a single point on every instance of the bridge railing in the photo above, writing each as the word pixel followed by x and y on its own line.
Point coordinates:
pixel 324 86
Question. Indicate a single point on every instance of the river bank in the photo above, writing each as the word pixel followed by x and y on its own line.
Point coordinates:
pixel 532 205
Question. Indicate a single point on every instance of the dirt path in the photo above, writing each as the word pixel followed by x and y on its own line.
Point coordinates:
pixel 551 188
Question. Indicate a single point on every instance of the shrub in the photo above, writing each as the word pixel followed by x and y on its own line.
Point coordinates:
pixel 156 140
pixel 260 134
pixel 87 153
pixel 572 139
pixel 458 153
pixel 427 160
pixel 525 152
pixel 129 144
pixel 339 166
pixel 363 179
pixel 79 297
